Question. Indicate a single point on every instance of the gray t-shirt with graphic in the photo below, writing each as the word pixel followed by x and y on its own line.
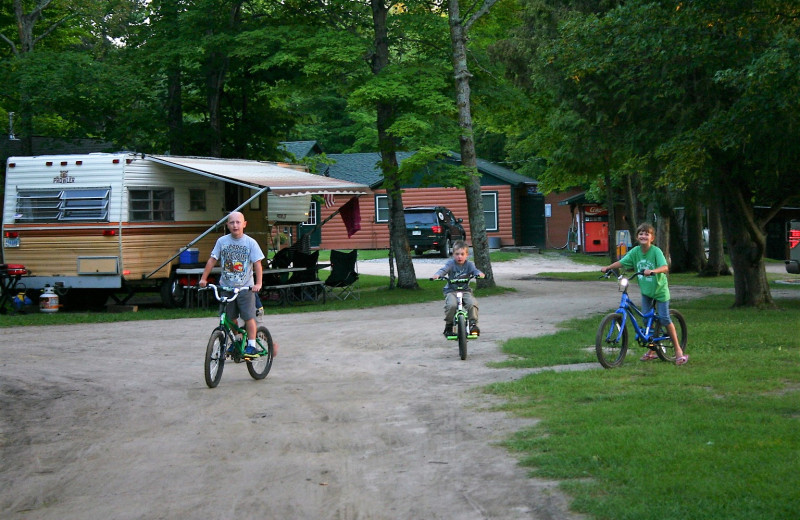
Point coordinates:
pixel 236 258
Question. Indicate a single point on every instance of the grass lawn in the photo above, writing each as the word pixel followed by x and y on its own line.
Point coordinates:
pixel 716 438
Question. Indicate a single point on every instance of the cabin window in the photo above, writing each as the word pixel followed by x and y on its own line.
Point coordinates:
pixel 381 208
pixel 197 200
pixel 73 205
pixel 490 210
pixel 151 204
pixel 312 214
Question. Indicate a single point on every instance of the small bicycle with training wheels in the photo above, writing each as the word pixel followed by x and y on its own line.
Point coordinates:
pixel 611 342
pixel 461 319
pixel 223 344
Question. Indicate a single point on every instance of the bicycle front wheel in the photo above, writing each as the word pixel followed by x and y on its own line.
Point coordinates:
pixel 611 342
pixel 259 367
pixel 665 349
pixel 215 358
pixel 462 336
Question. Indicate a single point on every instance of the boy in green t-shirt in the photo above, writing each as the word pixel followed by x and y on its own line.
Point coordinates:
pixel 653 285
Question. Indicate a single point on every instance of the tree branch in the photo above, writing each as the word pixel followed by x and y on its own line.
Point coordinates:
pixel 487 4
pixel 13 47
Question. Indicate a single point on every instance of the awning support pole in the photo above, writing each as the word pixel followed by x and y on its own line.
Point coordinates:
pixel 209 230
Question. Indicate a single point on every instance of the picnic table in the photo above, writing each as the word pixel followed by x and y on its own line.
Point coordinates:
pixel 280 290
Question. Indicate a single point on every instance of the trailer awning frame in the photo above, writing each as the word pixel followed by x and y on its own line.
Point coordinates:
pixel 283 180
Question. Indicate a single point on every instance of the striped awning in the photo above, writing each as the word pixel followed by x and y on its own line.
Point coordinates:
pixel 281 179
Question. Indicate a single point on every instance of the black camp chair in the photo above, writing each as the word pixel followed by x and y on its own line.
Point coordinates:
pixel 342 283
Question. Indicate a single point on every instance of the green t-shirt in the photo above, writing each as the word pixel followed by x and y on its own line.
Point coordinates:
pixel 654 286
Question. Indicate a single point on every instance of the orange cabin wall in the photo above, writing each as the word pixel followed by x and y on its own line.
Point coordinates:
pixel 375 235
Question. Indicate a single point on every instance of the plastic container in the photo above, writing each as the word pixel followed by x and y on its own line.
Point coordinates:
pixel 189 256
pixel 48 301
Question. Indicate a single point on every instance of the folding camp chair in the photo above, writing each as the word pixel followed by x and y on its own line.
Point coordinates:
pixel 342 283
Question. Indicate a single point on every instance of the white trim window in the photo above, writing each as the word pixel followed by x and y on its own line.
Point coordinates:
pixel 490 211
pixel 312 214
pixel 381 208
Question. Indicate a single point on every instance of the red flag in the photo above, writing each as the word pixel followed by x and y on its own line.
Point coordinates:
pixel 329 199
pixel 351 216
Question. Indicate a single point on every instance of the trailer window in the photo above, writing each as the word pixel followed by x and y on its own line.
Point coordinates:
pixel 197 200
pixel 156 204
pixel 76 205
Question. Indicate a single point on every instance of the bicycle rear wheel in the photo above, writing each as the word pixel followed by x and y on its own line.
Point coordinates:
pixel 215 358
pixel 665 349
pixel 259 367
pixel 462 336
pixel 611 342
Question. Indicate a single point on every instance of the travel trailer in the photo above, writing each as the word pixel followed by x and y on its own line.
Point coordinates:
pixel 92 225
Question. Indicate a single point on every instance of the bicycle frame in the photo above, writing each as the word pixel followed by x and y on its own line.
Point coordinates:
pixel 630 311
pixel 228 326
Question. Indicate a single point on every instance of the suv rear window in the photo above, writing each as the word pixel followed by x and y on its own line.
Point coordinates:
pixel 421 217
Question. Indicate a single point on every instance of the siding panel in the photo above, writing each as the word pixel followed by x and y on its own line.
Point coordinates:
pixel 375 235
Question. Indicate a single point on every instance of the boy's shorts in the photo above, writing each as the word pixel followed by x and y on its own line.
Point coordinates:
pixel 244 306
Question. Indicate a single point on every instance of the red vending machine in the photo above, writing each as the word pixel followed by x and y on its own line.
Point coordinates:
pixel 595 229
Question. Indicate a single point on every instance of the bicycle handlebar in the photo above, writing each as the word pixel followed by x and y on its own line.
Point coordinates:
pixel 225 299
pixel 457 282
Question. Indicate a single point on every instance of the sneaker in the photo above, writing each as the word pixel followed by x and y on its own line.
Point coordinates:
pixel 448 330
pixel 251 351
pixel 473 328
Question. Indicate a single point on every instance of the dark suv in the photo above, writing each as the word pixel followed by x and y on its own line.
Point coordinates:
pixel 432 227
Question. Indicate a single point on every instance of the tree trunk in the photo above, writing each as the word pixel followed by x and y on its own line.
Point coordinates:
pixel 477 222
pixel 678 254
pixel 612 217
pixel 631 205
pixel 746 244
pixel 175 110
pixel 217 69
pixel 174 85
pixel 695 249
pixel 716 264
pixel 398 241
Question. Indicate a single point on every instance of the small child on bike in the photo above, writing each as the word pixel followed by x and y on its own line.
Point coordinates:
pixel 458 267
pixel 240 257
pixel 649 259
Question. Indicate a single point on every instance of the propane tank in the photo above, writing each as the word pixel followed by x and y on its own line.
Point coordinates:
pixel 48 301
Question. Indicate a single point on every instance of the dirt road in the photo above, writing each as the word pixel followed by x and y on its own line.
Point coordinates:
pixel 365 415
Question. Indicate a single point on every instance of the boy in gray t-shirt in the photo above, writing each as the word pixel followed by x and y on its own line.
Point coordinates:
pixel 240 258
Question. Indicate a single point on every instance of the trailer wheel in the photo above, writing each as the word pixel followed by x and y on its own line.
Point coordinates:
pixel 172 292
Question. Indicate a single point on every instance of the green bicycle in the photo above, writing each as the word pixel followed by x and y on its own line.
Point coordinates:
pixel 223 344
pixel 461 318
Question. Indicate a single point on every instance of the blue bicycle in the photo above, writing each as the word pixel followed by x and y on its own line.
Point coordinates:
pixel 611 342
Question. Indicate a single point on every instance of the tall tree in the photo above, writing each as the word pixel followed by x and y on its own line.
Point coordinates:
pixel 406 277
pixel 459 29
